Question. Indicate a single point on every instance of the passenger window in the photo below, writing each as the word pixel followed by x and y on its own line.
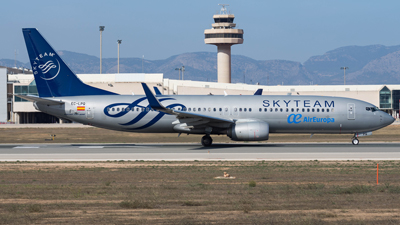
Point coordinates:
pixel 260 109
pixel 209 109
pixel 245 109
pixel 249 109
pixel 240 109
pixel 113 109
pixel 287 110
pixel 118 109
pixel 108 109
pixel 297 110
pixel 292 110
pixel 199 109
pixel 220 109
pixel 215 109
pixel 313 110
pixel 322 110
pixel 281 110
pixel 327 110
pixel 204 109
pixel 194 109
pixel 265 109
pixel 368 108
pixel 147 109
pixel 302 110
pixel 133 108
pixel 226 109
pixel 235 109
pixel 308 110
pixel 190 109
pixel 317 110
pixel 276 109
pixel 128 109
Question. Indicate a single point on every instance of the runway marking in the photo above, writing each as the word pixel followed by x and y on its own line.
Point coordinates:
pixel 26 147
pixel 91 146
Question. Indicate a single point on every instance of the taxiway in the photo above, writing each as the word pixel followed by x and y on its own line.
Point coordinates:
pixel 189 152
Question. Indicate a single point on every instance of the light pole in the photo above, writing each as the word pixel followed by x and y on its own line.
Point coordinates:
pixel 183 70
pixel 101 28
pixel 179 72
pixel 142 64
pixel 344 68
pixel 119 42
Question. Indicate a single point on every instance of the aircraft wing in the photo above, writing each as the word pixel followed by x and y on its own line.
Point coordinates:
pixel 33 98
pixel 158 92
pixel 188 118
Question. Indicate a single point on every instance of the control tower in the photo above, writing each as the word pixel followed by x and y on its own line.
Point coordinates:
pixel 223 35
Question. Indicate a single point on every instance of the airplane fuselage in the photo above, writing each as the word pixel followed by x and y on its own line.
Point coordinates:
pixel 284 114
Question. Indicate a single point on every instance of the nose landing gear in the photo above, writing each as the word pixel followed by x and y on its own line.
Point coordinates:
pixel 206 140
pixel 355 141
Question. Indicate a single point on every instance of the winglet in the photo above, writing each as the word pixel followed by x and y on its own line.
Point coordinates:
pixel 153 101
pixel 157 91
pixel 258 92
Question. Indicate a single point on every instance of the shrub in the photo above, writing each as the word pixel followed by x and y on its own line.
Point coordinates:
pixel 353 189
pixel 191 203
pixel 136 204
pixel 252 183
pixel 35 208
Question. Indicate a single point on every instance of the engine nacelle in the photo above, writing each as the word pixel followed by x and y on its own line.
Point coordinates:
pixel 249 131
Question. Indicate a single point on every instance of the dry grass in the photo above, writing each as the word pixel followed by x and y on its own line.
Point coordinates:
pixel 98 135
pixel 310 192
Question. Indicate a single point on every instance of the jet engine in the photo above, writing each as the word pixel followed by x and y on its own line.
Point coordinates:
pixel 249 131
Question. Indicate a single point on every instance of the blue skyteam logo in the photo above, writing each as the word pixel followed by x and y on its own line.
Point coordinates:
pixel 298 118
pixel 142 113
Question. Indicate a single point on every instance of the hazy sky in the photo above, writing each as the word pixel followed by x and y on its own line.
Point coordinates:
pixel 285 29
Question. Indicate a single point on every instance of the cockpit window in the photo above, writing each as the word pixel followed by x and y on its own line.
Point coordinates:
pixel 372 109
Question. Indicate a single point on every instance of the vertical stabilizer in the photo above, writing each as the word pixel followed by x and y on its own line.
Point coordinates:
pixel 53 77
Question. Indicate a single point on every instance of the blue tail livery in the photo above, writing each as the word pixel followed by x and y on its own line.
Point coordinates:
pixel 53 77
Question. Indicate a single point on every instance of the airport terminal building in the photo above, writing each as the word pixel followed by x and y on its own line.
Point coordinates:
pixel 21 81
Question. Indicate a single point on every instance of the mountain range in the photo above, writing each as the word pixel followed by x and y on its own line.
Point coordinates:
pixel 373 64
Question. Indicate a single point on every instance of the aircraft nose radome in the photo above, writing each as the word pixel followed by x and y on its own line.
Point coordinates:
pixel 388 119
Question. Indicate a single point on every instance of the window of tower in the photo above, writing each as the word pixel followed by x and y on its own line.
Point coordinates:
pixel 224 35
pixel 223 20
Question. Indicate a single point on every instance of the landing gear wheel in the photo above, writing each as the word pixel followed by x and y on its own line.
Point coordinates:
pixel 206 140
pixel 355 141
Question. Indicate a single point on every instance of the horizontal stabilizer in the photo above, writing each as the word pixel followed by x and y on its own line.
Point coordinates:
pixel 33 98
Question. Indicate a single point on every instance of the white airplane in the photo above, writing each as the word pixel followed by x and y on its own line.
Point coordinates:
pixel 242 118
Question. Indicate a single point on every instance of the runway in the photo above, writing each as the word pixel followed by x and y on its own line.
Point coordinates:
pixel 190 152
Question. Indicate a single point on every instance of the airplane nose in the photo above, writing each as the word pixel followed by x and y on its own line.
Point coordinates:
pixel 388 119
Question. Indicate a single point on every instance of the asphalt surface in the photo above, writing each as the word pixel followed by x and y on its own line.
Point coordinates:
pixel 189 152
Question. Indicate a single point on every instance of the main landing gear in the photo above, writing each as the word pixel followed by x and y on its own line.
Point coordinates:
pixel 355 141
pixel 206 140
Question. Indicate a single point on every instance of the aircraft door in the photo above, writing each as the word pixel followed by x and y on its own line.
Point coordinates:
pixel 89 113
pixel 351 111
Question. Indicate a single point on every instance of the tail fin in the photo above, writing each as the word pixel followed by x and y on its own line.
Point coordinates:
pixel 258 92
pixel 53 77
